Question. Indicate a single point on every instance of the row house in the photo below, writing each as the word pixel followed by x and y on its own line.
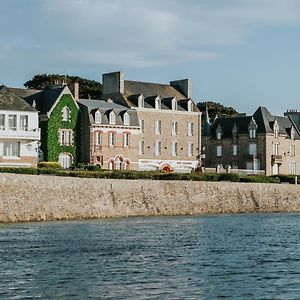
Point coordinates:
pixel 19 131
pixel 258 142
pixel 109 134
pixel 169 121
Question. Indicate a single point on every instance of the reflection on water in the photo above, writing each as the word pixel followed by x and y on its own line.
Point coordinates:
pixel 207 257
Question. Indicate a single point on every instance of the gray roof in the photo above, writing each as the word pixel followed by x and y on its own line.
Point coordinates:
pixel 263 119
pixel 92 106
pixel 10 101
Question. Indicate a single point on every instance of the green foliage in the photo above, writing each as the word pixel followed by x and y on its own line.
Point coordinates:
pixel 50 131
pixel 87 167
pixel 229 177
pixel 87 88
pixel 259 179
pixel 50 165
pixel 32 171
pixel 215 109
pixel 286 178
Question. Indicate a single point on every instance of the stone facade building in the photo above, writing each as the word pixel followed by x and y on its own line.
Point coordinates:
pixel 19 131
pixel 258 142
pixel 169 120
pixel 109 135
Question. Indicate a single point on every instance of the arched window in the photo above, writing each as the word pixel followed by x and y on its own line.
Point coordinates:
pixel 112 118
pixel 126 165
pixel 66 114
pixel 126 119
pixel 98 117
pixel 111 165
pixel 119 162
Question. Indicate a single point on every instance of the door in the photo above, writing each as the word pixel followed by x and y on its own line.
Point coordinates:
pixel 65 159
pixel 275 169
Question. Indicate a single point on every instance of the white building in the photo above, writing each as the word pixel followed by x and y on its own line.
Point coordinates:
pixel 19 131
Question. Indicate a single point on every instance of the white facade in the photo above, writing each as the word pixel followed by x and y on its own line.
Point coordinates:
pixel 19 138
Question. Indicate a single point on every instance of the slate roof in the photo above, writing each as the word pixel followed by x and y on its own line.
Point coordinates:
pixel 106 107
pixel 263 119
pixel 10 101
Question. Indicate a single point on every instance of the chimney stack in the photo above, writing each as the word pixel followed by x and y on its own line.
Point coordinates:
pixel 75 90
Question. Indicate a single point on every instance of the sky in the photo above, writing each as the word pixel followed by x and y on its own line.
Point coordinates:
pixel 241 53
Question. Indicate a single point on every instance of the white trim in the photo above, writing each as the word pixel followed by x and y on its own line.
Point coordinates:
pixel 167 111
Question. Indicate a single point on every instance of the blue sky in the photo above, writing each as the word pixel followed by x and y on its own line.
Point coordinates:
pixel 242 53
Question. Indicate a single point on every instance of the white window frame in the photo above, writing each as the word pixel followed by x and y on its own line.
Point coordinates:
pixel 66 137
pixel 126 140
pixel 275 148
pixel 2 121
pixel 252 149
pixel 24 122
pixel 234 149
pixel 190 149
pixel 142 148
pixel 98 117
pixel 112 118
pixel 111 139
pixel 11 150
pixel 174 149
pixel 219 150
pixel 66 114
pixel 158 127
pixel 98 138
pixel 293 150
pixel 174 104
pixel 174 128
pixel 13 118
pixel 126 119
pixel 158 148
pixel 190 128
pixel 252 133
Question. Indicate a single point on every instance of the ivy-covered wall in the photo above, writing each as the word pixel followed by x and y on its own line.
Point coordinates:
pixel 50 131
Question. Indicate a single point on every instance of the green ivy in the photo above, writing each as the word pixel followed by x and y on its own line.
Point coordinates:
pixel 50 131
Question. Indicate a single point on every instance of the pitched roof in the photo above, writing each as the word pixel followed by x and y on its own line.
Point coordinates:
pixel 10 101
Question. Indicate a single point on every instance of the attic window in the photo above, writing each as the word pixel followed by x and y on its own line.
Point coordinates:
pixel 276 130
pixel 126 119
pixel 219 132
pixel 141 101
pixel 157 103
pixel 112 118
pixel 66 114
pixel 190 106
pixel 252 133
pixel 174 104
pixel 292 133
pixel 98 117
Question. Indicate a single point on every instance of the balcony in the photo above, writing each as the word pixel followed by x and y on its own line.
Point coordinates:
pixel 277 159
pixel 25 134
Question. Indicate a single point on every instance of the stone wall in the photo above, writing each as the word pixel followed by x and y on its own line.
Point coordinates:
pixel 31 197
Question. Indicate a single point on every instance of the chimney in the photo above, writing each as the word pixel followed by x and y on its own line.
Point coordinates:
pixel 183 86
pixel 113 83
pixel 75 90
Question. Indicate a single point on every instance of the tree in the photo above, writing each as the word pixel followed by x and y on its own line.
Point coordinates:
pixel 87 88
pixel 216 109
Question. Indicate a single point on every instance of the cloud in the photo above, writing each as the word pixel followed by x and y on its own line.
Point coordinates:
pixel 133 33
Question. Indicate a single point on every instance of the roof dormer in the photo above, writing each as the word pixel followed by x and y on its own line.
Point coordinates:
pixel 252 128
pixel 157 102
pixel 141 102
pixel 174 104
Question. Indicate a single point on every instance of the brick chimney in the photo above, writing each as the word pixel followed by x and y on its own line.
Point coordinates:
pixel 74 88
pixel 113 83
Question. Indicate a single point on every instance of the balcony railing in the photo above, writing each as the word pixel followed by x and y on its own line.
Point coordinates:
pixel 14 133
pixel 277 159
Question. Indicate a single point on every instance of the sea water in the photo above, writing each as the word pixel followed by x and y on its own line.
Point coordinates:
pixel 251 256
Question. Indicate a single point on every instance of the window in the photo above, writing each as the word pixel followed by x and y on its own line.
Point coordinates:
pixel 234 150
pixel 190 106
pixel 252 149
pixel 112 118
pixel 2 121
pixel 157 148
pixel 24 122
pixel 275 147
pixel 142 125
pixel 174 128
pixel 98 139
pixel 98 117
pixel 12 122
pixel 111 139
pixel 66 114
pixel 292 150
pixel 126 119
pixel 11 149
pixel 252 133
pixel 126 140
pixel 157 103
pixel 219 135
pixel 158 127
pixel 292 134
pixel 141 101
pixel 276 130
pixel 292 168
pixel 219 150
pixel 142 147
pixel 174 104
pixel 190 129
pixel 190 149
pixel 65 137
pixel 174 148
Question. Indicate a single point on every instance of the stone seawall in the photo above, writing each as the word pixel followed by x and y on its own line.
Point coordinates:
pixel 31 198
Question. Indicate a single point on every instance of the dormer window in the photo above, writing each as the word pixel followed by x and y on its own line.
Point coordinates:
pixel 157 103
pixel 66 114
pixel 292 133
pixel 219 132
pixel 98 117
pixel 126 118
pixel 276 130
pixel 252 129
pixel 190 106
pixel 141 101
pixel 174 104
pixel 112 118
pixel 234 131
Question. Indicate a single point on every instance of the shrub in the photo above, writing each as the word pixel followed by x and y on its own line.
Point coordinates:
pixel 31 171
pixel 50 165
pixel 229 177
pixel 285 178
pixel 259 179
